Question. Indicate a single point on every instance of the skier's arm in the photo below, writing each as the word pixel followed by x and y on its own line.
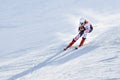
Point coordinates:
pixel 86 31
pixel 87 28
pixel 79 29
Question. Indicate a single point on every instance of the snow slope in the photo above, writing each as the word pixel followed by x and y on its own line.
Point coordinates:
pixel 34 32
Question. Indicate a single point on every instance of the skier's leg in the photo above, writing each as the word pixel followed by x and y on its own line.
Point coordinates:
pixel 73 41
pixel 82 41
pixel 70 44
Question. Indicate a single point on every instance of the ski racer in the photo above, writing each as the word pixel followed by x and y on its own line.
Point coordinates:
pixel 84 28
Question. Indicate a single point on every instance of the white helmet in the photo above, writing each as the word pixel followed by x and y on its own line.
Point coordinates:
pixel 82 21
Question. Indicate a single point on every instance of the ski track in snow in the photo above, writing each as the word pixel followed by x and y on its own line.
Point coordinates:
pixel 34 33
pixel 59 58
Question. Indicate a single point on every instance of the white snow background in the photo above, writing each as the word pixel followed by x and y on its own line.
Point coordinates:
pixel 33 34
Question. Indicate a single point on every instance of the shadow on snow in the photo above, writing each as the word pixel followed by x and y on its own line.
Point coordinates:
pixel 60 57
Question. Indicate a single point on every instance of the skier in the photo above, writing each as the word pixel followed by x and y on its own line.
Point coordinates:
pixel 84 28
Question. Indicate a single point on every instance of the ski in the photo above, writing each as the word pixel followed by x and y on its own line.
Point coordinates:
pixel 77 47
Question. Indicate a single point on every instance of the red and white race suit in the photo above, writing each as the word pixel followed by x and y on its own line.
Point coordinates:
pixel 83 31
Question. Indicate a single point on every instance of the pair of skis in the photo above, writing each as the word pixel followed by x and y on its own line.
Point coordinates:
pixel 74 48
